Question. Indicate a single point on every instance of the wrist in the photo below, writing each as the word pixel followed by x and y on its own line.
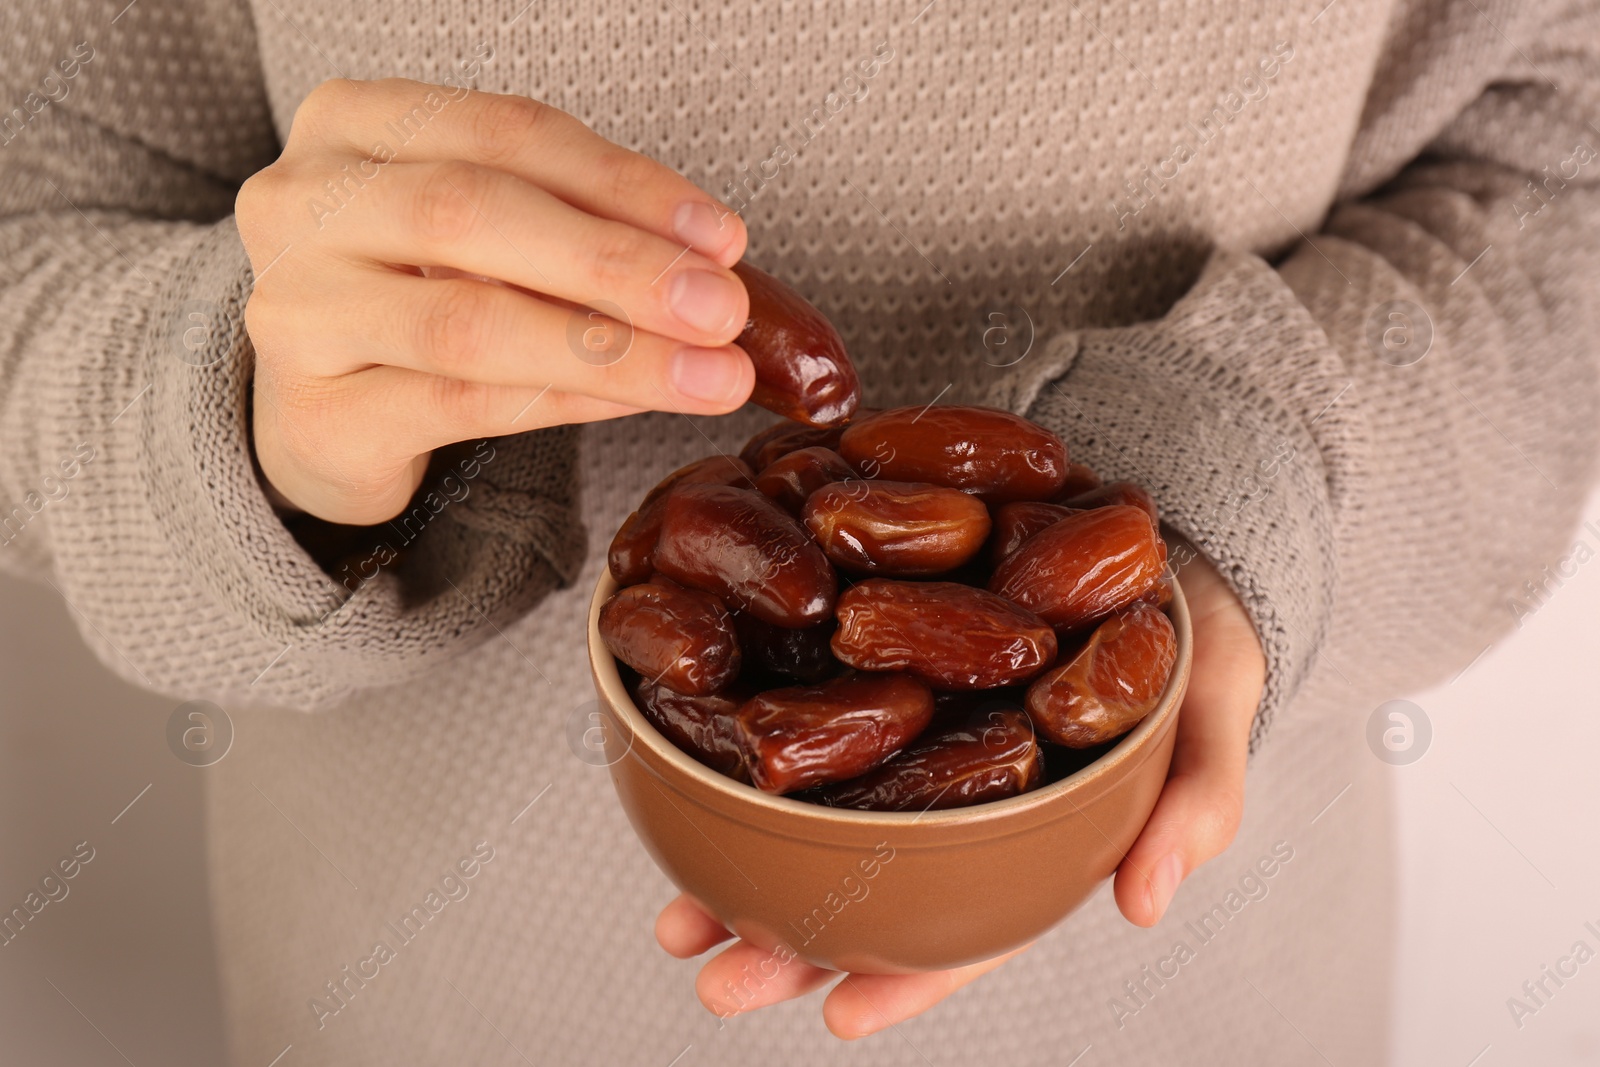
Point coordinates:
pixel 282 507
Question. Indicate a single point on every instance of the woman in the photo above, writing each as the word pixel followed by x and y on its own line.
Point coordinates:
pixel 1318 276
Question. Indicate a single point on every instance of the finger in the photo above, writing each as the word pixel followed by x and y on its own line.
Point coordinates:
pixel 742 977
pixel 1202 802
pixel 327 461
pixel 488 222
pixel 415 122
pixel 425 411
pixel 495 335
pixel 685 929
pixel 863 1004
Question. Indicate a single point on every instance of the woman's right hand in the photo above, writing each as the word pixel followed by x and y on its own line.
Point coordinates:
pixel 377 338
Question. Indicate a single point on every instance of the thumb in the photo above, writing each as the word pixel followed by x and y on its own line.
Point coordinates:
pixel 1198 812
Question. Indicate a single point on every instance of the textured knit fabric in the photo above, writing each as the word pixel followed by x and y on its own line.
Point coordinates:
pixel 1320 276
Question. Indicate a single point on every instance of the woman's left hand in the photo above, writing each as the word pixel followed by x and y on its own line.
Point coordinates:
pixel 1195 818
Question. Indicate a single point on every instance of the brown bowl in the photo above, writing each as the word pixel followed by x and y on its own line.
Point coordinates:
pixel 883 892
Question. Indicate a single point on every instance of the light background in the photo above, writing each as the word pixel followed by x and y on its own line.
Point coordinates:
pixel 1499 830
pixel 1500 844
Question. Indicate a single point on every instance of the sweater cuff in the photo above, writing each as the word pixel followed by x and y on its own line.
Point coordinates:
pixel 1168 404
pixel 492 530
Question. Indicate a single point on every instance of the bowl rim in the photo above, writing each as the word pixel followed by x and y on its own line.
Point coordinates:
pixel 1129 748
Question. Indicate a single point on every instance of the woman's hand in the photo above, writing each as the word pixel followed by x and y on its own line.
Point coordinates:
pixel 1194 820
pixel 1198 812
pixel 378 335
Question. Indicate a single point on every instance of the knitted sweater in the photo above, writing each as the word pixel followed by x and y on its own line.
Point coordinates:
pixel 1321 277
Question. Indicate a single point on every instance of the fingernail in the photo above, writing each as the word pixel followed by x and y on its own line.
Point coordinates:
pixel 714 375
pixel 703 227
pixel 707 302
pixel 1164 883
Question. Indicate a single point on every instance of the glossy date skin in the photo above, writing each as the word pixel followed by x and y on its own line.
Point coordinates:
pixel 1014 523
pixel 781 438
pixel 703 726
pixel 802 369
pixel 1116 493
pixel 954 636
pixel 634 544
pixel 1161 593
pixel 896 528
pixel 680 638
pixel 1080 479
pixel 1084 567
pixel 987 756
pixel 949 705
pixel 741 547
pixel 791 479
pixel 1102 690
pixel 993 454
pixel 801 654
pixel 810 735
pixel 988 579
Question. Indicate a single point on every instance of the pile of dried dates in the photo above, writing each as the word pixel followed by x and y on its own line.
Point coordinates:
pixel 891 610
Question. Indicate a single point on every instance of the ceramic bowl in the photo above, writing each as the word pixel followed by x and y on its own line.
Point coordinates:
pixel 882 892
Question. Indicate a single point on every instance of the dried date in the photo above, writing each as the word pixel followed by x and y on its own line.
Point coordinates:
pixel 1083 567
pixel 680 638
pixel 781 438
pixel 1161 593
pixel 1010 603
pixel 1080 479
pixel 1019 520
pixel 703 726
pixel 740 546
pixel 802 654
pixel 986 756
pixel 802 369
pixel 634 544
pixel 809 735
pixel 1116 493
pixel 951 704
pixel 899 528
pixel 1102 690
pixel 791 479
pixel 954 636
pixel 991 453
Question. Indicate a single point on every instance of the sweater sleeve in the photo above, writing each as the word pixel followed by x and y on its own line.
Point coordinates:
pixel 127 478
pixel 1380 438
